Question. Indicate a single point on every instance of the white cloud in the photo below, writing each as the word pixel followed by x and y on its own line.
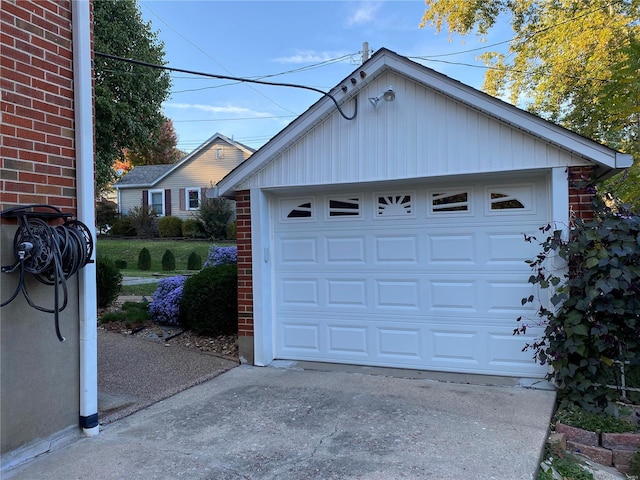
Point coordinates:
pixel 230 109
pixel 309 56
pixel 365 13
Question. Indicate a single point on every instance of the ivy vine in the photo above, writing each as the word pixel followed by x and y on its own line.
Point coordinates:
pixel 592 320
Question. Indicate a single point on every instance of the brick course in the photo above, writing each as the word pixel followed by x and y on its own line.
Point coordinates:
pixel 37 109
pixel 245 279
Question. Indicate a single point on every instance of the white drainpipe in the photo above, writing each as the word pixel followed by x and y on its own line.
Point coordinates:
pixel 83 103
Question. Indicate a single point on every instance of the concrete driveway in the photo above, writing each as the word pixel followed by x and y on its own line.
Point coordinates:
pixel 295 423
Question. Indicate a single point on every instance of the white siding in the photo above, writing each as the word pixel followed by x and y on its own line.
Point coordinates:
pixel 423 133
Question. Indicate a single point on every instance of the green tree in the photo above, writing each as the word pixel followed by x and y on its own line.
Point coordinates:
pixel 128 97
pixel 576 63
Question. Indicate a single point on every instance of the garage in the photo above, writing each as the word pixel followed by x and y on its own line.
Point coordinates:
pixel 385 225
pixel 423 276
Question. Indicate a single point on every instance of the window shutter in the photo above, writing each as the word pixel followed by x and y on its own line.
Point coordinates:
pixel 145 198
pixel 167 202
pixel 203 196
pixel 182 201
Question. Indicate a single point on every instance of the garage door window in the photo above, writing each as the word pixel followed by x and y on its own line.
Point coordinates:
pixel 450 202
pixel 341 207
pixel 395 205
pixel 296 209
pixel 517 198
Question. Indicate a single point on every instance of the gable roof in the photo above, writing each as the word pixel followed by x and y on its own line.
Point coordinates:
pixel 385 60
pixel 150 175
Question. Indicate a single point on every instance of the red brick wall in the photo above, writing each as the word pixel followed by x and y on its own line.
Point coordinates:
pixel 37 153
pixel 245 279
pixel 581 192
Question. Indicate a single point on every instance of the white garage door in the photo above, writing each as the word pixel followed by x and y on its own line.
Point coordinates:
pixel 426 277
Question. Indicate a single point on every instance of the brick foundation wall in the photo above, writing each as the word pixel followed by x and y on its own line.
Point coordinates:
pixel 245 279
pixel 581 192
pixel 37 153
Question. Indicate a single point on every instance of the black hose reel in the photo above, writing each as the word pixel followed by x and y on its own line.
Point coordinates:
pixel 52 253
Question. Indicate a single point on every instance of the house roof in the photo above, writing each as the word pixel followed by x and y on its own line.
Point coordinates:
pixel 607 159
pixel 150 175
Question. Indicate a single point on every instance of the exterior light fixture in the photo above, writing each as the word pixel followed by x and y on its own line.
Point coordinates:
pixel 389 95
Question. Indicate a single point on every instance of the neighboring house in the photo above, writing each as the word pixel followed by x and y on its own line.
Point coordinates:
pixel 178 189
pixel 48 388
pixel 396 239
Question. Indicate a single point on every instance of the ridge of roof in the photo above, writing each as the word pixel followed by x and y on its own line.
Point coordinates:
pixel 385 59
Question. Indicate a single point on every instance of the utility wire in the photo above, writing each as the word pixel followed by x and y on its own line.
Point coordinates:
pixel 228 77
pixel 207 54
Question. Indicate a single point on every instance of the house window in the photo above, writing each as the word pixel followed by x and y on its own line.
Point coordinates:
pixel 447 202
pixel 156 201
pixel 192 198
pixel 219 151
pixel 344 207
pixel 394 205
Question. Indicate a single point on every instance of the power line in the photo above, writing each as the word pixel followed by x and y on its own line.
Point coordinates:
pixel 207 54
pixel 228 77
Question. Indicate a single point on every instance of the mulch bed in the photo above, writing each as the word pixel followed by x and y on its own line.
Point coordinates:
pixel 224 345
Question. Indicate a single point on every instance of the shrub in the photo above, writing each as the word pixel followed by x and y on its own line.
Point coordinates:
pixel 232 231
pixel 209 301
pixel 106 215
pixel 169 227
pixel 192 228
pixel 108 281
pixel 221 256
pixel 194 262
pixel 168 261
pixel 123 227
pixel 165 301
pixel 144 259
pixel 214 214
pixel 634 465
pixel 593 326
pixel 121 264
pixel 144 221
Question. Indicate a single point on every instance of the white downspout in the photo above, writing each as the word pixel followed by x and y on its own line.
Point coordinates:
pixel 83 105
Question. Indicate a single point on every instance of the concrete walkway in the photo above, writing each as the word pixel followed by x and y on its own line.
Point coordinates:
pixel 295 423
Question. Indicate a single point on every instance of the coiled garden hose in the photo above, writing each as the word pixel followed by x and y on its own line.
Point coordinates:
pixel 51 253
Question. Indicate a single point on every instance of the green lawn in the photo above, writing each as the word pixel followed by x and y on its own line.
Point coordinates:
pixel 128 249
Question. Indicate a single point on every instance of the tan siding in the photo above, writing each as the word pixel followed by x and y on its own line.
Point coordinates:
pixel 421 134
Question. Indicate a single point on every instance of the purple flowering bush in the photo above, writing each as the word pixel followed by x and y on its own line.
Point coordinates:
pixel 221 256
pixel 165 301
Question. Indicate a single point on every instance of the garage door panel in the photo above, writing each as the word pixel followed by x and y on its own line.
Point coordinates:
pixel 397 294
pixel 300 337
pixel 341 250
pixel 504 296
pixel 349 293
pixel 455 296
pixel 348 339
pixel 452 250
pixel 397 249
pixel 506 349
pixel 300 292
pixel 298 250
pixel 399 343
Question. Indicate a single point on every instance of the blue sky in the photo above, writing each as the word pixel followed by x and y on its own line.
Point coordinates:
pixel 313 43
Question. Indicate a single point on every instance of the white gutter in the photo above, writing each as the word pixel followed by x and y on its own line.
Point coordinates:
pixel 83 105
